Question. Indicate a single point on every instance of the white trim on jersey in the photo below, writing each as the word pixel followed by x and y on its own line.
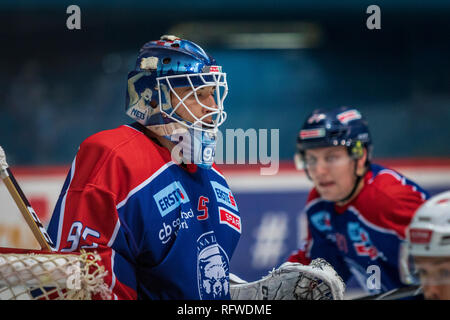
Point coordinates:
pixel 113 276
pixel 114 234
pixel 217 172
pixel 400 178
pixel 143 184
pixel 63 206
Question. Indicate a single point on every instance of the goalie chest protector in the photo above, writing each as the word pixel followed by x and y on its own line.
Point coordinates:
pixel 163 231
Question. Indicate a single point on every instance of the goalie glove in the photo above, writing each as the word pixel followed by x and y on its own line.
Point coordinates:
pixel 292 281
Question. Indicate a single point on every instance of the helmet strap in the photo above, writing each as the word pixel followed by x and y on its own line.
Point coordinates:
pixel 355 186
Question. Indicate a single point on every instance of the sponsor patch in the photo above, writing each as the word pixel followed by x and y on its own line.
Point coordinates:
pixel 229 218
pixel 171 229
pixel 224 195
pixel 170 198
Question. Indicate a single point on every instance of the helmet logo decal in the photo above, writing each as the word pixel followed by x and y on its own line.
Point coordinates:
pixel 169 37
pixel 349 115
pixel 316 117
pixel 165 91
pixel 312 133
pixel 207 69
pixel 357 149
pixel 149 63
pixel 420 236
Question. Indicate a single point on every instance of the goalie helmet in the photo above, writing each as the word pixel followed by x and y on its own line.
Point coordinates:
pixel 340 127
pixel 163 65
pixel 429 232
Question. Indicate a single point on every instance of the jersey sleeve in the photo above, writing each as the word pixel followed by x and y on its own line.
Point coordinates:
pixel 91 223
pixel 86 217
pixel 396 204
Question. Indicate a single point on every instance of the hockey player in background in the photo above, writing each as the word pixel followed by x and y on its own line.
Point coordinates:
pixel 148 198
pixel 357 213
pixel 429 238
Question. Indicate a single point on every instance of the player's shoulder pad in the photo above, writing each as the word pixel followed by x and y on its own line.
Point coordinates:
pixel 107 158
pixel 389 200
pixel 394 184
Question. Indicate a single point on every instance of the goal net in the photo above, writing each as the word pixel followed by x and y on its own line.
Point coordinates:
pixel 38 275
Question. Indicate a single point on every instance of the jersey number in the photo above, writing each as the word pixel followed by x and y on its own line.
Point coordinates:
pixel 77 232
pixel 202 201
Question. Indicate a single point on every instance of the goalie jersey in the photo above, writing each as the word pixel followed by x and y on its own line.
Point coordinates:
pixel 163 231
pixel 366 236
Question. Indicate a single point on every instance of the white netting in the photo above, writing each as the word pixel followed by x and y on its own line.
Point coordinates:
pixel 51 276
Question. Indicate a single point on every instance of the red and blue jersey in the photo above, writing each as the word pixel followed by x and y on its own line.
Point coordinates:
pixel 367 231
pixel 163 231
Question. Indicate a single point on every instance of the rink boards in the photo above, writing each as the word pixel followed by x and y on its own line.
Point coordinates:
pixel 270 208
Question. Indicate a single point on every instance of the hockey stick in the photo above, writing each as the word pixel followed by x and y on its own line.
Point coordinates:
pixel 24 206
pixel 395 294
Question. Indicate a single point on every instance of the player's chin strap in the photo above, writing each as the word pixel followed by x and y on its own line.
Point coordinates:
pixel 292 281
pixel 355 186
pixel 356 151
pixel 191 144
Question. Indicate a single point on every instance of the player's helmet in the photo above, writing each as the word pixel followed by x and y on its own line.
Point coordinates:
pixel 163 65
pixel 429 232
pixel 344 126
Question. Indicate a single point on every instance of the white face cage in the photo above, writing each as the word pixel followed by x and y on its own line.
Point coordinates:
pixel 220 86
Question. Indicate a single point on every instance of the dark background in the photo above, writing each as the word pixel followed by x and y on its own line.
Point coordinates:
pixel 59 86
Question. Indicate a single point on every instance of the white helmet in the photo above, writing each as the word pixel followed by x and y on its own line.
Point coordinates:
pixel 429 232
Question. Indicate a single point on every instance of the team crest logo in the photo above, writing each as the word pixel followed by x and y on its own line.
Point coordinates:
pixel 322 221
pixel 362 243
pixel 212 268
